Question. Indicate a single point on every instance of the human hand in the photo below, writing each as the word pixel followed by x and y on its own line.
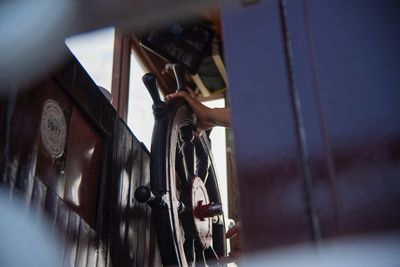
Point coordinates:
pixel 206 117
pixel 203 113
pixel 236 250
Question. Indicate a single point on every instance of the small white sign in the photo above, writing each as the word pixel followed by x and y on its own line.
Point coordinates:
pixel 53 128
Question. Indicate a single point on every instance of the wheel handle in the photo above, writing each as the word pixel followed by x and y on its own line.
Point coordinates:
pixel 179 72
pixel 143 195
pixel 207 211
pixel 149 80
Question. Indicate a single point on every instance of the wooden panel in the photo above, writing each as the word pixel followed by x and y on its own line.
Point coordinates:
pixel 126 175
pixel 10 145
pixel 49 169
pixel 83 244
pixel 133 213
pixel 121 69
pixel 5 117
pixel 267 149
pixel 62 224
pixel 73 78
pixel 101 166
pixel 72 239
pixel 24 179
pixel 93 249
pixel 316 143
pixel 83 166
pixel 27 159
pixel 38 198
pixel 141 225
pixel 314 97
pixel 146 224
pixel 103 255
pixel 155 64
pixel 151 251
pixel 51 211
pixel 120 194
pixel 154 253
pixel 356 62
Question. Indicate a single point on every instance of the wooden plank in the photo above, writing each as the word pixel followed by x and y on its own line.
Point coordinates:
pixel 7 113
pixel 154 253
pixel 133 215
pixel 93 249
pixel 49 168
pixel 147 220
pixel 75 81
pixel 83 166
pixel 103 256
pixel 126 173
pixel 83 244
pixel 356 81
pixel 315 100
pixel 127 194
pixel 97 111
pixel 51 211
pixel 317 141
pixel 116 238
pixel 14 131
pixel 121 69
pixel 155 64
pixel 72 237
pixel 141 221
pixel 269 167
pixel 62 224
pixel 38 198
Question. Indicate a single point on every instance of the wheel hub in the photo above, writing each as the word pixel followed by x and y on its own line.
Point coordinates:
pixel 203 225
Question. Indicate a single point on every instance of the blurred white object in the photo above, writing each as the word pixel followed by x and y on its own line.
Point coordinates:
pixel 31 37
pixel 32 33
pixel 25 241
pixel 362 251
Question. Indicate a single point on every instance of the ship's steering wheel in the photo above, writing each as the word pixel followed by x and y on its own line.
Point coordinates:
pixel 184 193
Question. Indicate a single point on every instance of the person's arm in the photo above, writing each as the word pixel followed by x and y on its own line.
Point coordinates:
pixel 206 117
pixel 221 117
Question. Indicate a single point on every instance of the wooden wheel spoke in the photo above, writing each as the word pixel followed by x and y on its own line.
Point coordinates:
pixel 188 158
pixel 202 160
pixel 180 165
pixel 212 256
pixel 187 148
pixel 189 248
pixel 201 259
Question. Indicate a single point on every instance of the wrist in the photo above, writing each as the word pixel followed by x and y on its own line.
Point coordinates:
pixel 214 116
pixel 209 117
pixel 222 117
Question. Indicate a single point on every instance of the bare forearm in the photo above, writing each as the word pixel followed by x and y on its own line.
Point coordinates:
pixel 206 117
pixel 221 117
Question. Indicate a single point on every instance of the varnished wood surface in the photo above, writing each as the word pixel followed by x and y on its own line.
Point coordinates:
pixel 121 72
pixel 107 227
pixel 314 97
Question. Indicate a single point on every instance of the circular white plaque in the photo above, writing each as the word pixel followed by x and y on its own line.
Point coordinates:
pixel 53 128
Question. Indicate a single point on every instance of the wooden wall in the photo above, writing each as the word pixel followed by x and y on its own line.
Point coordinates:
pixel 87 192
pixel 314 92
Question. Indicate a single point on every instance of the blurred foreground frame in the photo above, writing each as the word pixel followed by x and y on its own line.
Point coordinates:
pixel 33 33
